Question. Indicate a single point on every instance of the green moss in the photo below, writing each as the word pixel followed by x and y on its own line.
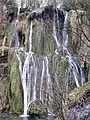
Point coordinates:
pixel 36 23
pixel 42 40
pixel 37 45
pixel 60 68
pixel 49 44
pixel 82 88
pixel 36 41
pixel 7 29
pixel 13 74
pixel 16 97
pixel 16 104
pixel 61 64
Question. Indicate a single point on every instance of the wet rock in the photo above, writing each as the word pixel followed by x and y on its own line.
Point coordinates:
pixel 46 13
pixel 79 105
pixel 37 108
pixel 4 103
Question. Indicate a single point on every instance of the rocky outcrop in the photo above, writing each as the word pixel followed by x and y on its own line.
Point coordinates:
pixel 37 108
pixel 78 103
pixel 43 22
pixel 78 29
pixel 79 34
pixel 46 13
pixel 4 101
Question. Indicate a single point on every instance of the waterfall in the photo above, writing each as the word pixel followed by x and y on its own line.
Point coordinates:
pixel 72 64
pixel 48 79
pixel 35 71
pixel 26 74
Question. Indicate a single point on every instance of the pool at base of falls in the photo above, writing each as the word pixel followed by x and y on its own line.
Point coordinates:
pixel 33 117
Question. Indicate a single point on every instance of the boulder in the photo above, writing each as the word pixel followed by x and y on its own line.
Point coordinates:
pixel 37 108
pixel 78 107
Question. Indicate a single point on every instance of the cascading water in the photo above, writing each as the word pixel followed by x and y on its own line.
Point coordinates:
pixel 43 70
pixel 35 71
pixel 77 75
pixel 26 73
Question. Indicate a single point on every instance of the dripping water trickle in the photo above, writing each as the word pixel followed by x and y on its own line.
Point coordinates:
pixel 55 32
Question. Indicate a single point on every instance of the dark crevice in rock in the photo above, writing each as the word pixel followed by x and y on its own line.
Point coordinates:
pixel 21 36
pixel 45 13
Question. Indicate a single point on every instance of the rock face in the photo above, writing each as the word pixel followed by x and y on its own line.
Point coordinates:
pixel 43 22
pixel 37 108
pixel 4 102
pixel 79 104
pixel 78 27
pixel 79 37
pixel 80 110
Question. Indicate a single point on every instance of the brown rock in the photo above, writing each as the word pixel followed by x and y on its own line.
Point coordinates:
pixel 38 108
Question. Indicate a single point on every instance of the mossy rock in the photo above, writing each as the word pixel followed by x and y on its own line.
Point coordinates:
pixel 60 67
pixel 36 107
pixel 78 107
pixel 82 88
pixel 78 93
pixel 42 38
pixel 15 84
